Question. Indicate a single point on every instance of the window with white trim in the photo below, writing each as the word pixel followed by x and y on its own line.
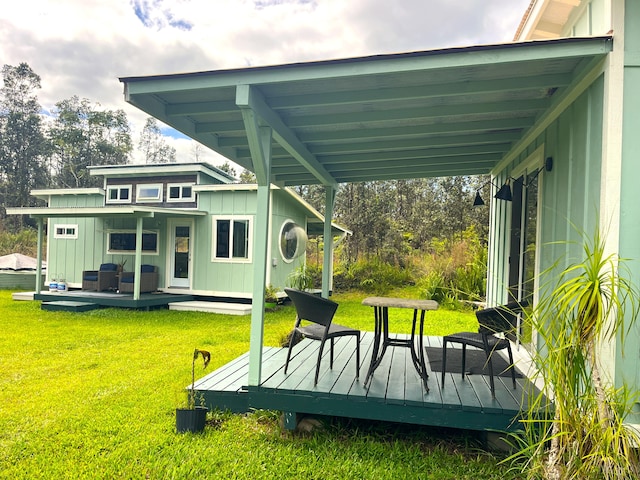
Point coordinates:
pixel 231 239
pixel 150 192
pixel 180 192
pixel 124 241
pixel 65 231
pixel 118 194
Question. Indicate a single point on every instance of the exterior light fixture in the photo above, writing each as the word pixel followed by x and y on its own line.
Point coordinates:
pixel 504 192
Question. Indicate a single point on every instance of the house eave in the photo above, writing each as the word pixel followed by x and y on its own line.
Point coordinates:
pixel 97 212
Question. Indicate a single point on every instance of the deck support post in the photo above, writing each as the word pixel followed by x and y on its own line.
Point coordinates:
pixel 260 136
pixel 327 256
pixel 290 420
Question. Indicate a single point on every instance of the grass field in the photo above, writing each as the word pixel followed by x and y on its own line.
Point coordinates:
pixel 92 395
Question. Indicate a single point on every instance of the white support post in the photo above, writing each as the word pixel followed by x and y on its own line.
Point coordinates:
pixel 260 256
pixel 138 261
pixel 327 256
pixel 260 137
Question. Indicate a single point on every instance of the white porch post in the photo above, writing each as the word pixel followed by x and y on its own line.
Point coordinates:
pixel 39 258
pixel 138 260
pixel 327 256
pixel 260 138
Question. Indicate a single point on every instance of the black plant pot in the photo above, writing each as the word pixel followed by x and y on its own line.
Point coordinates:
pixel 191 419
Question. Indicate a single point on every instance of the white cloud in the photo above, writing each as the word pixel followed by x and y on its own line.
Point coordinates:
pixel 81 47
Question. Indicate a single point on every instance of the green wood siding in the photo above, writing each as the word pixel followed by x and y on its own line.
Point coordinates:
pixel 283 209
pixel 570 193
pixel 627 360
pixel 236 277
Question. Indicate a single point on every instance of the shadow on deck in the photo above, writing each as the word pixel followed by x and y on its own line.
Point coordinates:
pixel 394 394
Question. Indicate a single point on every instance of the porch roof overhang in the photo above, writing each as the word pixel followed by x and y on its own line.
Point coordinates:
pixel 412 115
pixel 124 211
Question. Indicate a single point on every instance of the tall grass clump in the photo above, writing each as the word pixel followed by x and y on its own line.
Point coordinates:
pixel 581 434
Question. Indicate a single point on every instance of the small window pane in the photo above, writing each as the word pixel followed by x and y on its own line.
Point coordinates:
pixel 186 192
pixel 174 192
pixel 222 238
pixel 124 194
pixel 149 193
pixel 240 238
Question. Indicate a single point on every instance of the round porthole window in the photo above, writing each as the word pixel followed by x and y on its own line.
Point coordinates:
pixel 293 241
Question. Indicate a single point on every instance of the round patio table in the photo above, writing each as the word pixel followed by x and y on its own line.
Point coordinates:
pixel 382 340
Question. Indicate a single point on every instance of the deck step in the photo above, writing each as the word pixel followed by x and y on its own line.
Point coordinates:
pixel 69 306
pixel 27 296
pixel 212 307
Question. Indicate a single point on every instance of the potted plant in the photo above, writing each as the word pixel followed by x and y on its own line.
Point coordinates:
pixel 121 265
pixel 270 297
pixel 192 418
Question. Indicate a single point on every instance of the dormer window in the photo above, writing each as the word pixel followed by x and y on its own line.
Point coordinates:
pixel 118 194
pixel 149 193
pixel 180 192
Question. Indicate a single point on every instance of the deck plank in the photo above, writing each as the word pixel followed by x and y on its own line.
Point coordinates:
pixel 395 392
pixel 395 385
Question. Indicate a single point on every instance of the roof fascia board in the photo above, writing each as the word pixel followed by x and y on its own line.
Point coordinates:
pixel 533 15
pixel 249 97
pixel 66 191
pixel 587 75
pixel 144 212
pixel 395 63
pixel 173 168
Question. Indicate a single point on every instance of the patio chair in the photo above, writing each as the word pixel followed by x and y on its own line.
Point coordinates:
pixel 319 311
pixel 148 280
pixel 493 322
pixel 104 278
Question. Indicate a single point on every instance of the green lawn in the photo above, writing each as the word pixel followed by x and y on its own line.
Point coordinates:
pixel 92 395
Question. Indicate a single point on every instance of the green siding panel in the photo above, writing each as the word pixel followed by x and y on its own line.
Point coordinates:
pixel 570 192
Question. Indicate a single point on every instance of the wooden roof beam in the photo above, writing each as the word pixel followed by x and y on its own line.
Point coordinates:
pixel 248 96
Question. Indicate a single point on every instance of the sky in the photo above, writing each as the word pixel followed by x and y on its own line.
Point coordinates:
pixel 82 47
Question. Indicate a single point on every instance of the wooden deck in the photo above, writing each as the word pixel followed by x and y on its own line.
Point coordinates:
pixel 395 392
pixel 112 299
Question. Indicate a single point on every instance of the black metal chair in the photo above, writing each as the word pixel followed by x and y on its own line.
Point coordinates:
pixel 319 311
pixel 497 320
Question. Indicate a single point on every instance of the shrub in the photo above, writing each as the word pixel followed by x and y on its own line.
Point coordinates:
pixel 24 242
pixel 371 276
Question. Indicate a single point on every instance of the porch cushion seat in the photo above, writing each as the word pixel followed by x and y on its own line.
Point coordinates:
pixel 143 269
pixel 102 279
pixel 148 280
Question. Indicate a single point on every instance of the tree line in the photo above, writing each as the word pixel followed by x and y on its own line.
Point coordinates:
pixel 391 220
pixel 54 151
